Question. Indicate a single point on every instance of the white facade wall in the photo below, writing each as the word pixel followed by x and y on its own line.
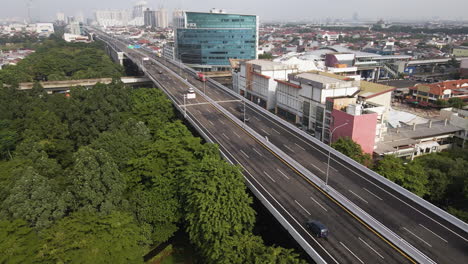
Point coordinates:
pixel 287 98
pixel 264 86
pixel 45 28
pixel 162 18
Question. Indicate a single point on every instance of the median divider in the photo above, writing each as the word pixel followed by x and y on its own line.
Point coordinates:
pixel 353 208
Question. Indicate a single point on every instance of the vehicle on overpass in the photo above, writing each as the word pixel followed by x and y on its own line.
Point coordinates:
pixel 317 228
pixel 201 77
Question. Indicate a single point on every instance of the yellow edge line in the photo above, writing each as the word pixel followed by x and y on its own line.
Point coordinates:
pixel 319 189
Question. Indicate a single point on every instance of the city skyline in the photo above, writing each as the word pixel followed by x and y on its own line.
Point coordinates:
pixel 298 10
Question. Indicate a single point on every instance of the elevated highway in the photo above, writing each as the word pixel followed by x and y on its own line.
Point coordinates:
pixel 371 220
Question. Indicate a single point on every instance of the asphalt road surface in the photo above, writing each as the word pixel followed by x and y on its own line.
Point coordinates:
pixel 298 199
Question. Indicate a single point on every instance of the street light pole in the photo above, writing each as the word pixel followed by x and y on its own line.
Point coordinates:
pixel 329 152
pixel 185 107
pixel 244 110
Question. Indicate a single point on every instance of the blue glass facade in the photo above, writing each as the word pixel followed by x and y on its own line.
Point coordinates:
pixel 213 39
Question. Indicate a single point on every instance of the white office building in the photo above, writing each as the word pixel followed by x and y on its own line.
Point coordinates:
pixel 45 29
pixel 111 18
pixel 302 98
pixel 255 80
pixel 76 28
pixel 61 17
pixel 162 18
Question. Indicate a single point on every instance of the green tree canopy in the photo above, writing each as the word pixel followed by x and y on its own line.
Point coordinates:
pixel 410 176
pixel 215 193
pixel 95 182
pixel 92 238
pixel 18 242
pixel 152 107
pixel 34 199
pixel 353 150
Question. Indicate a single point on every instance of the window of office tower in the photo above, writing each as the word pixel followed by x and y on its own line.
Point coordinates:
pixel 213 39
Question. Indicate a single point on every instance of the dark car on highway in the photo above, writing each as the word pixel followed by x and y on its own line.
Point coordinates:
pixel 317 228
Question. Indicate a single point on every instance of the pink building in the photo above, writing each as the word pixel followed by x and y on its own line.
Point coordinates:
pixel 361 128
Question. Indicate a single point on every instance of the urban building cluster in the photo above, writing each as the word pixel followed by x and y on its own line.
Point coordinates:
pixel 139 15
pixel 324 80
pixel 12 57
pixel 330 106
pixel 36 29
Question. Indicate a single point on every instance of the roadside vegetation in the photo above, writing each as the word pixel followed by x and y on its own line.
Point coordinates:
pixel 106 174
pixel 440 178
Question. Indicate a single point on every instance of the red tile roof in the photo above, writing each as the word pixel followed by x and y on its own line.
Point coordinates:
pixel 439 88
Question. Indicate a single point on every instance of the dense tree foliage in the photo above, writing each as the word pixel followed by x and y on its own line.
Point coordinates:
pixel 101 175
pixel 56 60
pixel 410 175
pixel 439 178
pixel 91 238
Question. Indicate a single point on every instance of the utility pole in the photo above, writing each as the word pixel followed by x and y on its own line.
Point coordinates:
pixel 329 152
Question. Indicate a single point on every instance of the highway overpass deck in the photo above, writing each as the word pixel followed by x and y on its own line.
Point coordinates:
pixel 440 240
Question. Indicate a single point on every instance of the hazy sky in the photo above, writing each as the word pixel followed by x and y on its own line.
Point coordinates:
pixel 284 10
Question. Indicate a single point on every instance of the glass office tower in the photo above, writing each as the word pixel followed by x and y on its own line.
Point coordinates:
pixel 206 41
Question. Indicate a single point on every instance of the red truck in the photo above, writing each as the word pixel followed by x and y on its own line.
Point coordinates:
pixel 201 77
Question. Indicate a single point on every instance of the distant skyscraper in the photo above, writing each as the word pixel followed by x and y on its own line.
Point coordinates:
pixel 33 12
pixel 110 18
pixel 80 17
pixel 60 17
pixel 162 18
pixel 150 18
pixel 76 28
pixel 138 9
pixel 138 18
pixel 178 19
pixel 355 16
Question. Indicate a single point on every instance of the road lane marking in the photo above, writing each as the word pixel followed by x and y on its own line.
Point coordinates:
pixel 371 248
pixel 299 137
pixel 358 196
pixel 199 111
pixel 299 146
pixel 302 207
pixel 319 204
pixel 226 136
pixel 351 252
pixel 222 122
pixel 211 122
pixel 245 154
pixel 232 109
pixel 345 209
pixel 286 176
pixel 269 176
pixel 265 132
pixel 417 237
pixel 276 131
pixel 373 194
pixel 333 168
pixel 236 134
pixel 317 168
pixel 292 150
pixel 257 152
pixel 433 233
pixel 257 118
